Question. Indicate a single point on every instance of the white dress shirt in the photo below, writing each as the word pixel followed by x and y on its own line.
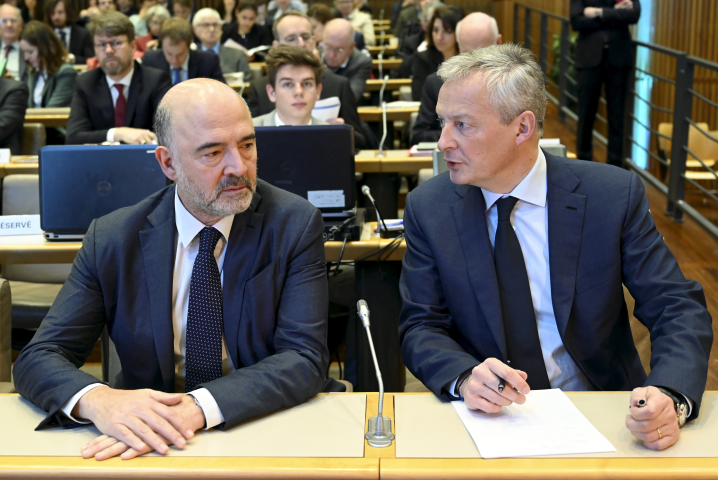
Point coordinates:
pixel 13 59
pixel 188 228
pixel 125 82
pixel 39 87
pixel 278 121
pixel 67 31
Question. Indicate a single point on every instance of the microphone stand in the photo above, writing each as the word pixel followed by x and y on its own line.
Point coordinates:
pixel 383 117
pixel 381 57
pixel 379 434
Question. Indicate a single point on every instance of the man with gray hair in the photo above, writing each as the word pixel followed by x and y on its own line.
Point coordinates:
pixel 215 320
pixel 10 29
pixel 515 263
pixel 476 30
pixel 207 25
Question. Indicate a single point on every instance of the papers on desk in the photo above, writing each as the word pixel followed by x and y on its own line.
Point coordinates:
pixel 403 104
pixel 547 424
pixel 4 155
pixel 327 109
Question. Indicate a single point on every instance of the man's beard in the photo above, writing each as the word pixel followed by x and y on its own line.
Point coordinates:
pixel 210 202
pixel 121 67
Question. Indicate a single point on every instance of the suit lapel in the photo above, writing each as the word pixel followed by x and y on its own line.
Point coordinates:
pixel 46 89
pixel 135 89
pixel 157 244
pixel 103 99
pixel 238 264
pixel 566 211
pixel 470 219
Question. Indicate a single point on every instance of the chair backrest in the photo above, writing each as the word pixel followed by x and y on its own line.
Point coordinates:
pixel 111 367
pixel 21 196
pixel 698 143
pixel 5 330
pixel 34 137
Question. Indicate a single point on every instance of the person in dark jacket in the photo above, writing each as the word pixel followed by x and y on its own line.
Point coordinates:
pixel 245 31
pixel 603 57
pixel 61 17
pixel 13 104
pixel 442 45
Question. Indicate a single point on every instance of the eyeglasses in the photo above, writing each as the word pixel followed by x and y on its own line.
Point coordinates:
pixel 339 50
pixel 101 3
pixel 208 25
pixel 117 44
pixel 9 21
pixel 292 39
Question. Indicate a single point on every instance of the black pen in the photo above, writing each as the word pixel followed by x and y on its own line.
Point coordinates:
pixel 502 382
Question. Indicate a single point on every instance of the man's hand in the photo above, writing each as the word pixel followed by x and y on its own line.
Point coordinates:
pixel 625 5
pixel 141 419
pixel 336 121
pixel 655 424
pixel 481 390
pixel 152 45
pixel 134 136
pixel 590 12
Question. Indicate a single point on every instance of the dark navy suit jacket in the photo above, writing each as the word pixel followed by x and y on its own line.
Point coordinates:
pixel 601 234
pixel 275 308
pixel 201 64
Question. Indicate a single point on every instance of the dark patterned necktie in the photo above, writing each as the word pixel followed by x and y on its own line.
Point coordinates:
pixel 204 315
pixel 63 37
pixel 522 339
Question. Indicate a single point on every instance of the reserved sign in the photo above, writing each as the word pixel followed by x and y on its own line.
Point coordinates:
pixel 20 225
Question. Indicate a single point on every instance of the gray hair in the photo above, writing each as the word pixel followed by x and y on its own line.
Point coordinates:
pixel 206 12
pixel 157 11
pixel 513 79
pixel 428 10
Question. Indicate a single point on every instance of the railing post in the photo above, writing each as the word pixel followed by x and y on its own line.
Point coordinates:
pixel 516 23
pixel 630 99
pixel 527 28
pixel 563 69
pixel 542 41
pixel 682 110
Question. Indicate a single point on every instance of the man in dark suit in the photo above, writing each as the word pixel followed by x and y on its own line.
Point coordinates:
pixel 178 59
pixel 13 104
pixel 603 57
pixel 197 294
pixel 76 39
pixel 11 25
pixel 294 28
pixel 517 255
pixel 207 26
pixel 117 101
pixel 476 30
pixel 342 58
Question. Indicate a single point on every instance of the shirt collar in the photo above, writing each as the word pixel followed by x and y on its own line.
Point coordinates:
pixel 126 80
pixel 188 227
pixel 214 49
pixel 278 121
pixel 532 189
pixel 343 65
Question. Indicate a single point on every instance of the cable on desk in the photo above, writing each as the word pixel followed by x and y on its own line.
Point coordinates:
pixel 341 254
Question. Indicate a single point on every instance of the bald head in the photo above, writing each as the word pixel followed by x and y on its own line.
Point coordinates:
pixel 477 30
pixel 338 42
pixel 339 30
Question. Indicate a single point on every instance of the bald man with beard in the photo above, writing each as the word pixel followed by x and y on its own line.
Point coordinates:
pixel 215 321
pixel 476 30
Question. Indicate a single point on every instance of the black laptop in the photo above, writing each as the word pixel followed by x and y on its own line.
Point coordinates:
pixel 315 162
pixel 79 183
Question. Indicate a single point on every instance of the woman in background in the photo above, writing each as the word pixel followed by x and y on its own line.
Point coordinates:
pixel 155 17
pixel 227 11
pixel 139 19
pixel 319 14
pixel 51 80
pixel 441 45
pixel 245 30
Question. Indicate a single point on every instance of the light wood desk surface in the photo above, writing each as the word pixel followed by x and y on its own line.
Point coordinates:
pixel 394 161
pixel 50 117
pixel 375 51
pixel 19 164
pixel 199 467
pixel 388 64
pixel 374 85
pixel 387 37
pixel 373 114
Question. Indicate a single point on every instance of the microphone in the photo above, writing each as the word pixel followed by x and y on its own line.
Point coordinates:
pixel 379 433
pixel 379 217
pixel 383 117
pixel 381 14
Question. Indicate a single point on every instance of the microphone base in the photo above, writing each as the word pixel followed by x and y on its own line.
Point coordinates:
pixel 384 440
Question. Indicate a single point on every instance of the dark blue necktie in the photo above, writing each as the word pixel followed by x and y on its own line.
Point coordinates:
pixel 522 340
pixel 204 315
pixel 176 76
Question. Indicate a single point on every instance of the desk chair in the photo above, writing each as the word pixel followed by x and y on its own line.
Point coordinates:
pixel 34 287
pixel 6 385
pixel 34 137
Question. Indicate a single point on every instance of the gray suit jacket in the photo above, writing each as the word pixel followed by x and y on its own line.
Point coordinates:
pixel 268 120
pixel 22 76
pixel 232 60
pixel 58 89
pixel 274 308
pixel 357 71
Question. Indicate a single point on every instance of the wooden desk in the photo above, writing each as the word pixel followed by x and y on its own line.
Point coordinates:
pixel 388 64
pixel 50 117
pixel 259 65
pixel 375 51
pixel 374 85
pixel 387 37
pixel 15 167
pixel 395 161
pixel 382 28
pixel 381 22
pixel 238 87
pixel 199 467
pixel 373 114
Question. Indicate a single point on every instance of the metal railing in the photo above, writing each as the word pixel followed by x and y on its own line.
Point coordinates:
pixel 674 162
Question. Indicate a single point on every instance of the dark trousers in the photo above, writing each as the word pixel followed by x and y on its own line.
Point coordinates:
pixel 589 82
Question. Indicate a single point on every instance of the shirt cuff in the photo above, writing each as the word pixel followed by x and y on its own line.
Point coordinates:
pixel 689 403
pixel 452 387
pixel 212 414
pixel 70 404
pixel 111 135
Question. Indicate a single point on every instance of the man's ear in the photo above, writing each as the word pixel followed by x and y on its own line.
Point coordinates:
pixel 270 93
pixel 275 43
pixel 319 91
pixel 525 127
pixel 499 40
pixel 166 159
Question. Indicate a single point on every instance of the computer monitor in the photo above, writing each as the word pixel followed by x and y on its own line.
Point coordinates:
pixel 79 183
pixel 315 162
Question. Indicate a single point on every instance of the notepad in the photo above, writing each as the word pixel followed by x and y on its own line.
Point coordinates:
pixel 547 424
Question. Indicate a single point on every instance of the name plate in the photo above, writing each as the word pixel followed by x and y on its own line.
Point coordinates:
pixel 20 225
pixel 4 155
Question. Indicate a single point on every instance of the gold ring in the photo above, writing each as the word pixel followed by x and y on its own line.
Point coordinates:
pixel 143 142
pixel 659 433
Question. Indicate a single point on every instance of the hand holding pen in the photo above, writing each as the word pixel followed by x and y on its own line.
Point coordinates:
pixel 481 390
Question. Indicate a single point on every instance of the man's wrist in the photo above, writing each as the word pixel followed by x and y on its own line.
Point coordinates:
pixel 598 12
pixel 199 421
pixel 83 409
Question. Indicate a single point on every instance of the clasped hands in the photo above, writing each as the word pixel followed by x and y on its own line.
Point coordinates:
pixel 135 422
pixel 654 424
pixel 624 5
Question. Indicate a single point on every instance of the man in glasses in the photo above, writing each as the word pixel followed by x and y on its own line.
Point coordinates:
pixel 130 90
pixel 207 25
pixel 10 28
pixel 342 58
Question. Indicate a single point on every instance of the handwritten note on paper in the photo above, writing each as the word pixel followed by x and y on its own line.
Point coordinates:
pixel 547 424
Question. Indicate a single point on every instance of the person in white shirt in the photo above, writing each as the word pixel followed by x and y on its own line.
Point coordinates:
pixel 294 87
pixel 11 24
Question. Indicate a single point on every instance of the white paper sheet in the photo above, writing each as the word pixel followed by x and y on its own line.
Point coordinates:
pixel 547 424
pixel 327 108
pixel 326 198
